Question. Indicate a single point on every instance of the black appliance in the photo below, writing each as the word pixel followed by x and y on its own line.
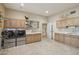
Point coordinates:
pixel 8 34
pixel 20 33
pixel 12 37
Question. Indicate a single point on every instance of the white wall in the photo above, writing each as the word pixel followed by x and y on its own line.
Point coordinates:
pixel 52 19
pixel 10 13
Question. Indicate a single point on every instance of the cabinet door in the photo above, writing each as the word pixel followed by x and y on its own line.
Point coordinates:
pixel 37 37
pixel 29 39
pixel 20 23
pixel 61 23
pixel 33 38
pixel 67 39
pixel 58 24
pixel 75 41
pixel 1 23
pixel 2 10
pixel 7 23
pixel 56 36
pixel 76 22
pixel 70 22
pixel 13 23
pixel 10 23
pixel 61 38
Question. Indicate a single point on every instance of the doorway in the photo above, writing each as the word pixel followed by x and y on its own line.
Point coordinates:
pixel 44 30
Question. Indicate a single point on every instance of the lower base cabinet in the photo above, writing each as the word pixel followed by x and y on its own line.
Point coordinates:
pixel 33 38
pixel 67 40
pixel 59 37
pixel 9 45
pixel 20 43
pixel 75 41
pixel 71 40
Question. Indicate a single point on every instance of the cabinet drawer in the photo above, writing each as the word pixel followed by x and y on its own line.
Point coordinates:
pixel 9 40
pixel 20 43
pixel 67 40
pixel 33 38
pixel 75 41
pixel 21 39
pixel 8 45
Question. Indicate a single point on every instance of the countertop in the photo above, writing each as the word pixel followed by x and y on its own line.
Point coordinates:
pixel 73 33
pixel 27 33
pixel 32 32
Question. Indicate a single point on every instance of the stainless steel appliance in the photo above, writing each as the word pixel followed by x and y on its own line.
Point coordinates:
pixel 8 38
pixel 21 34
pixel 13 37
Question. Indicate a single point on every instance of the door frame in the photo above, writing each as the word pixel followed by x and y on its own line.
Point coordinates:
pixel 43 36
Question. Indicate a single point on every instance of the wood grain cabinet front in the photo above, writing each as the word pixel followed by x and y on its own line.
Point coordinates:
pixel 33 38
pixel 67 39
pixel 59 37
pixel 14 23
pixel 2 10
pixel 72 40
pixel 75 41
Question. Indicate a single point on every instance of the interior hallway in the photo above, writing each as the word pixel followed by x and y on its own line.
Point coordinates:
pixel 44 47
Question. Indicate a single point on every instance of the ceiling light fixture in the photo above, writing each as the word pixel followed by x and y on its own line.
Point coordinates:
pixel 22 4
pixel 46 12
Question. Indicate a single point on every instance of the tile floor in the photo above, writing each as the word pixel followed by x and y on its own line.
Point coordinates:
pixel 44 47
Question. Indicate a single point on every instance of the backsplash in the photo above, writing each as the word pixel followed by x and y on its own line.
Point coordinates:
pixel 69 30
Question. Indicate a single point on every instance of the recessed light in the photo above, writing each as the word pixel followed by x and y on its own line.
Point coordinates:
pixel 46 12
pixel 22 4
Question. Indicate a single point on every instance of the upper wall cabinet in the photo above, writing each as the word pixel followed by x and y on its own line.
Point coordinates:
pixel 2 14
pixel 61 24
pixel 14 23
pixel 2 10
pixel 20 23
pixel 68 22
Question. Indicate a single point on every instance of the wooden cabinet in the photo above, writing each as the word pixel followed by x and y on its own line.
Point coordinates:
pixel 14 23
pixel 71 40
pixel 76 22
pixel 61 24
pixel 67 22
pixel 33 38
pixel 59 37
pixel 9 23
pixel 21 23
pixel 2 10
pixel 56 36
pixel 75 41
pixel 1 23
pixel 67 39
pixel 58 24
pixel 2 13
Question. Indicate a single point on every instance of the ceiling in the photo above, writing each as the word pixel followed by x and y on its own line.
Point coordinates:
pixel 40 8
